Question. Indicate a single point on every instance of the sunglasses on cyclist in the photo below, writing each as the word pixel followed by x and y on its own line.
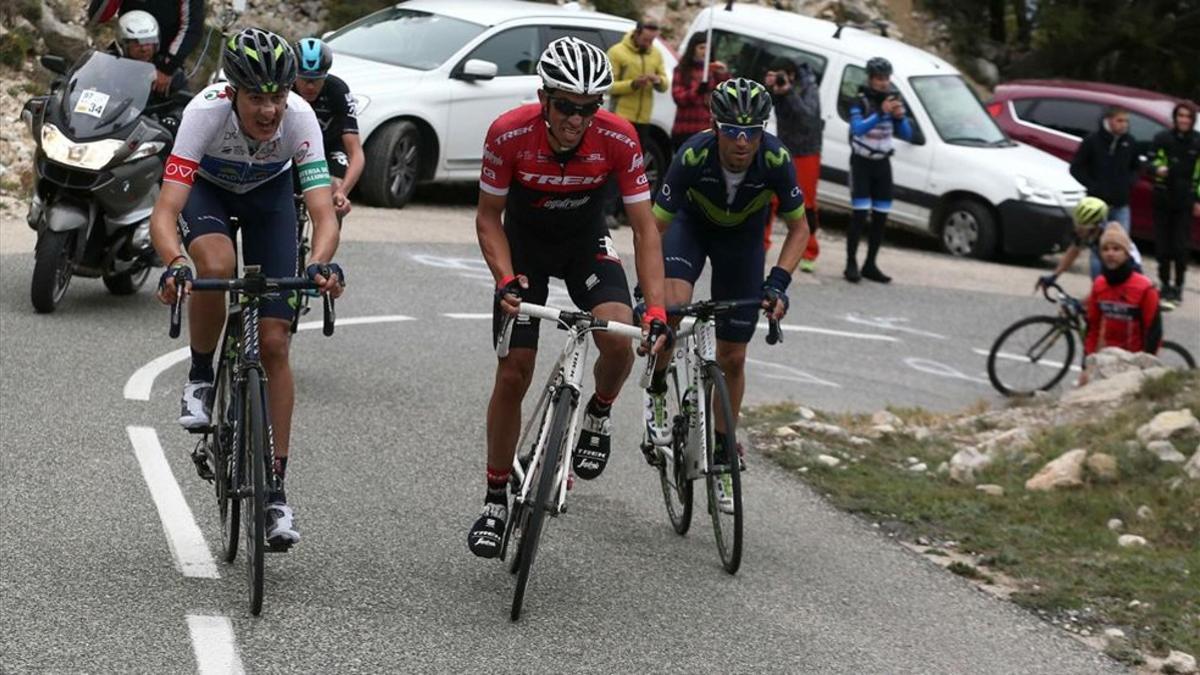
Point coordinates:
pixel 570 108
pixel 736 131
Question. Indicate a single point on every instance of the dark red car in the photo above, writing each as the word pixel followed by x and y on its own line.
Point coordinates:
pixel 1055 115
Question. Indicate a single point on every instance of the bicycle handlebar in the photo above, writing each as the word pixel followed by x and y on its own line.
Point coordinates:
pixel 709 308
pixel 255 286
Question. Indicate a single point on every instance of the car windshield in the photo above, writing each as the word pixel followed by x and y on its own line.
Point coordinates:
pixel 404 37
pixel 956 111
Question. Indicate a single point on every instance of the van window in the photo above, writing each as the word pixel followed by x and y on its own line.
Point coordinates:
pixel 1077 118
pixel 515 51
pixel 956 112
pixel 751 57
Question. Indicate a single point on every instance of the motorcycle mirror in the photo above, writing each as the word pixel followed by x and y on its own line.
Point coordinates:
pixel 55 64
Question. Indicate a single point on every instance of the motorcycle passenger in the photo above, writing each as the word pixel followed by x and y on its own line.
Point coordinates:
pixel 137 38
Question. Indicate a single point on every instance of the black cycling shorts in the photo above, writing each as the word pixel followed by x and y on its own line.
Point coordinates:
pixel 588 263
pixel 870 183
pixel 737 256
pixel 267 218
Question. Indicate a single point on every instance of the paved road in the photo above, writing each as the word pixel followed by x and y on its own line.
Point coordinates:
pixel 95 576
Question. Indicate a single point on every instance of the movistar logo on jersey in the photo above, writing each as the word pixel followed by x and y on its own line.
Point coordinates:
pixel 692 158
pixel 776 159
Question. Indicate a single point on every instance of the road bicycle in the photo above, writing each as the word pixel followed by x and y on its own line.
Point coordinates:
pixel 236 452
pixel 1035 353
pixel 541 474
pixel 697 397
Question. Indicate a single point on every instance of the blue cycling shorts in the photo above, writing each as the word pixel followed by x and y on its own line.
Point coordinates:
pixel 737 256
pixel 267 218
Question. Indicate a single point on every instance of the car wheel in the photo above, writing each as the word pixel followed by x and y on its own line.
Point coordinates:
pixel 969 229
pixel 393 163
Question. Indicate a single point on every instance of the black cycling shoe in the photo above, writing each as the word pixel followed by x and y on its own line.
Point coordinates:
pixel 487 532
pixel 595 444
pixel 872 273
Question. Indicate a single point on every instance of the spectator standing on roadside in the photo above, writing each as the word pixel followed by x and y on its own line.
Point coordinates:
pixel 876 115
pixel 797 102
pixel 180 26
pixel 1175 158
pixel 1106 163
pixel 691 92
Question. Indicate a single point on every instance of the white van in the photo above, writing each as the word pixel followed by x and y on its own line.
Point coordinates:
pixel 960 179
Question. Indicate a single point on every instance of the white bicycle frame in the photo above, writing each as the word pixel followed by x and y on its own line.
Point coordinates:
pixel 565 379
pixel 696 346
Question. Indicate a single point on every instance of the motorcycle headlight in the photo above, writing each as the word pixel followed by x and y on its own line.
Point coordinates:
pixel 91 156
pixel 1033 192
pixel 146 149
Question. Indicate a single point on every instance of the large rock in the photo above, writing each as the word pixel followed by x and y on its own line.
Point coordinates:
pixel 1180 663
pixel 1112 389
pixel 64 39
pixel 1165 451
pixel 965 463
pixel 1102 467
pixel 1169 424
pixel 1112 361
pixel 1011 443
pixel 1192 468
pixel 1065 471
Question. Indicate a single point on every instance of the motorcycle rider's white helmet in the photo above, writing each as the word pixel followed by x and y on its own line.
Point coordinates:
pixel 137 26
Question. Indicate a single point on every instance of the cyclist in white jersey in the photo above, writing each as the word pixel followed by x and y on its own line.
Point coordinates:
pixel 233 156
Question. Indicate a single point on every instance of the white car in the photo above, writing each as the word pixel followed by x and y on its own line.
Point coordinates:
pixel 960 178
pixel 430 76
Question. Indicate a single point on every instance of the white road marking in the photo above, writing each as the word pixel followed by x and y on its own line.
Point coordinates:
pixel 141 383
pixel 1025 359
pixel 214 645
pixel 467 264
pixel 187 544
pixel 467 315
pixel 791 374
pixel 941 370
pixel 794 328
pixel 891 323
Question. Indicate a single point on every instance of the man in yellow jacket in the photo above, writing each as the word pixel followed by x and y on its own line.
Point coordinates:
pixel 637 72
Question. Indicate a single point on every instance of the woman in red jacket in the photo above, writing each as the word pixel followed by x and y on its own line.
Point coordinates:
pixel 691 92
pixel 1123 306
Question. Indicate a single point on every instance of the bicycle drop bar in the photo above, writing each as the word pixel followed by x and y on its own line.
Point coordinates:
pixel 563 318
pixel 255 286
pixel 708 309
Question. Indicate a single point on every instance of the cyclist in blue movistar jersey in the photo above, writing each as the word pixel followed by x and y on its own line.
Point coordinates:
pixel 714 203
pixel 233 156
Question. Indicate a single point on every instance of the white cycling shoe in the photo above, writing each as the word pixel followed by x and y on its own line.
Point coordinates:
pixel 281 525
pixel 195 407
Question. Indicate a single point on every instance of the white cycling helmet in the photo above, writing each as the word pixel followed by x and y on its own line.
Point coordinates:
pixel 137 26
pixel 572 65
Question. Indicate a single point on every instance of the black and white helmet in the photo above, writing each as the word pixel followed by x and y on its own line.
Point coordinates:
pixel 574 66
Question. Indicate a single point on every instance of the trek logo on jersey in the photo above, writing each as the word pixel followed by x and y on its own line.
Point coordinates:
pixel 543 179
pixel 617 135
pixel 180 170
pixel 509 135
pixel 560 203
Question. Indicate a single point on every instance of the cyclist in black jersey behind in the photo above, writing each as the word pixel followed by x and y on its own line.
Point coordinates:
pixel 333 103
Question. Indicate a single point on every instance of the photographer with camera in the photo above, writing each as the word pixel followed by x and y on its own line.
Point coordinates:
pixel 796 98
pixel 876 116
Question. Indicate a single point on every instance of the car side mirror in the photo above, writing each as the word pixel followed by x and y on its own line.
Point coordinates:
pixel 478 69
pixel 55 64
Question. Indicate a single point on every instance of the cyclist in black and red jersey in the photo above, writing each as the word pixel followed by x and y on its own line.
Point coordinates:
pixel 545 169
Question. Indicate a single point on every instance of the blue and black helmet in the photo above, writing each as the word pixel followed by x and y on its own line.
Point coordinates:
pixel 315 58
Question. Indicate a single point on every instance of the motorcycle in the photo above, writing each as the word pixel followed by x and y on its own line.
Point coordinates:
pixel 99 162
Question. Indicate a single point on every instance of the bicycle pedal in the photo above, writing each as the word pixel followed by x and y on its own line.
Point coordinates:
pixel 200 460
pixel 653 456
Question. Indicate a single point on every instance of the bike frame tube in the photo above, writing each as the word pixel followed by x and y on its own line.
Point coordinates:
pixel 700 350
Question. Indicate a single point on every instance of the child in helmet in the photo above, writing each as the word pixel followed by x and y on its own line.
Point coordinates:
pixel 1090 215
pixel 1122 308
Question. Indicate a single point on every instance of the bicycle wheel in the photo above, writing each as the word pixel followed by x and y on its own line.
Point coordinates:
pixel 726 516
pixel 254 448
pixel 536 507
pixel 1033 354
pixel 672 467
pixel 1173 355
pixel 227 474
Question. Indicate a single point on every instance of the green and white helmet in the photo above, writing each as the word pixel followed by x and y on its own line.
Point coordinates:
pixel 740 101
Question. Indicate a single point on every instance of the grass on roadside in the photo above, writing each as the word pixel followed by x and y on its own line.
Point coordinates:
pixel 1056 545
